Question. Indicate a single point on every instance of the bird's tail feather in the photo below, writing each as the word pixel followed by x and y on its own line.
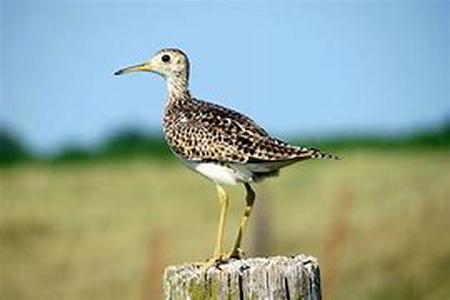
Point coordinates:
pixel 313 153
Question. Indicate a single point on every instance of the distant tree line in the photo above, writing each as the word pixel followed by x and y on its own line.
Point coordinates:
pixel 438 138
pixel 135 143
pixel 12 150
pixel 123 144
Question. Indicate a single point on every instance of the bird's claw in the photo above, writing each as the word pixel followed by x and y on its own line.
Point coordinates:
pixel 237 253
pixel 214 261
pixel 221 259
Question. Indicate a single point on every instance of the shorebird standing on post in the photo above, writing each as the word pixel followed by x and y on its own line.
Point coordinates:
pixel 221 144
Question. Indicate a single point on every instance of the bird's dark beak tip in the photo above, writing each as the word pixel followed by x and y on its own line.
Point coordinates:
pixel 118 72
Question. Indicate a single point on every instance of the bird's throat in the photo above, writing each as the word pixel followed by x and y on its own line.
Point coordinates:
pixel 177 88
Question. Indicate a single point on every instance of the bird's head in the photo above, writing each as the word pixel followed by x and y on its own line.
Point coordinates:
pixel 170 63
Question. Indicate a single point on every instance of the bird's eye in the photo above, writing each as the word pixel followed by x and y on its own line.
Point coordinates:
pixel 165 58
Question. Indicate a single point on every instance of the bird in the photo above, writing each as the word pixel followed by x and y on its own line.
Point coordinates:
pixel 220 143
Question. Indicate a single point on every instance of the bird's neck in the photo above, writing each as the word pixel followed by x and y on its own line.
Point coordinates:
pixel 178 88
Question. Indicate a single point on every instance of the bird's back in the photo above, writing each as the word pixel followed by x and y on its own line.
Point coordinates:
pixel 202 131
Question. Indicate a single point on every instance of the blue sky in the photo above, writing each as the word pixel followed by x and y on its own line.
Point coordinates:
pixel 310 68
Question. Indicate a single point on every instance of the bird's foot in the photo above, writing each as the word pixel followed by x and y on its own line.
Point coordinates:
pixel 215 261
pixel 221 259
pixel 236 253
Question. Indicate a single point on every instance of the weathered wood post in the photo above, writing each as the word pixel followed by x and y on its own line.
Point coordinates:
pixel 254 278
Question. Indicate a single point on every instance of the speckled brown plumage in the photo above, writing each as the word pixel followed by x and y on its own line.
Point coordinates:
pixel 202 131
pixel 199 131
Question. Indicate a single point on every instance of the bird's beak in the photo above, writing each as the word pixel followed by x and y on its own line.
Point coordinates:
pixel 145 67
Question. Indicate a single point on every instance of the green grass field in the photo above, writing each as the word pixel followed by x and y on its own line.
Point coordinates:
pixel 378 222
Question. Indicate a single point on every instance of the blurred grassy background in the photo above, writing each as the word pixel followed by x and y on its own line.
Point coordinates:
pixel 100 217
pixel 378 221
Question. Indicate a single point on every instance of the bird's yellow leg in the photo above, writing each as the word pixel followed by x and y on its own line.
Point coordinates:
pixel 218 256
pixel 223 200
pixel 236 251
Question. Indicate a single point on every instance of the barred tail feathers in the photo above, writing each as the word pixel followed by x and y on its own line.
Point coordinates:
pixel 314 153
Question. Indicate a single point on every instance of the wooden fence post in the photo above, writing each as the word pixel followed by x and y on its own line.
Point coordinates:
pixel 254 278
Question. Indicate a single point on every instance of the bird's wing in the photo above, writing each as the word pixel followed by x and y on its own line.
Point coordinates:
pixel 217 133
